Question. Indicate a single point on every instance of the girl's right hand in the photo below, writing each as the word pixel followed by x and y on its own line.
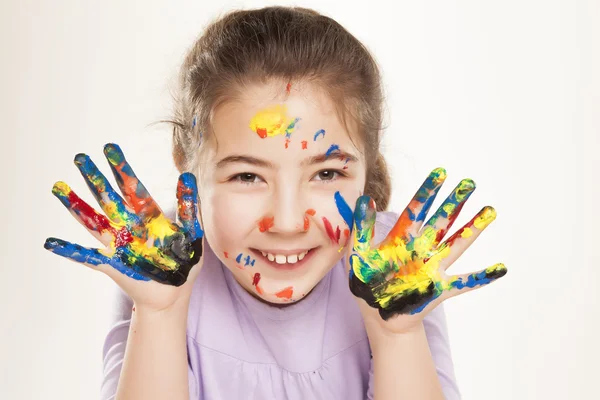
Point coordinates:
pixel 154 260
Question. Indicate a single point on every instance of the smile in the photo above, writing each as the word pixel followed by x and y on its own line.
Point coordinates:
pixel 280 259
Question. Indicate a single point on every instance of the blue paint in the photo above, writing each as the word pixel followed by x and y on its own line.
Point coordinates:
pixel 93 257
pixel 239 258
pixel 320 132
pixel 344 209
pixel 332 148
pixel 291 126
pixel 192 227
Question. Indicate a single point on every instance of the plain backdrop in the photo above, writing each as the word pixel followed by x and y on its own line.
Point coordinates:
pixel 505 93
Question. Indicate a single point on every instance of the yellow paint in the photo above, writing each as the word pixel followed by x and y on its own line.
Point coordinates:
pixel 273 119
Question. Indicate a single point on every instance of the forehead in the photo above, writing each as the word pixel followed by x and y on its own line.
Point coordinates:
pixel 279 121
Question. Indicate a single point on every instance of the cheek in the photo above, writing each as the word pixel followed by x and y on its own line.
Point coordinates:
pixel 334 216
pixel 229 218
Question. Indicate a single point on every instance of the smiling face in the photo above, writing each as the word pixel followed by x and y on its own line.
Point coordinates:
pixel 277 191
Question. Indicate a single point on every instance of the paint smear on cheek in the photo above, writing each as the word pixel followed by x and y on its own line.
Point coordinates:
pixel 311 212
pixel 266 223
pixel 304 145
pixel 285 293
pixel 255 281
pixel 333 235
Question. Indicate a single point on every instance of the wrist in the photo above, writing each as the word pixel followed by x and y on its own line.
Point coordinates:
pixel 384 339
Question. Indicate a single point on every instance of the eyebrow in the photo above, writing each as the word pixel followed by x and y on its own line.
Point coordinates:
pixel 312 160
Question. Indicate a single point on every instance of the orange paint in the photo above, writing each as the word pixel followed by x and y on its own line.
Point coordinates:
pixel 305 223
pixel 225 254
pixel 265 224
pixel 304 145
pixel 287 142
pixel 347 233
pixel 310 211
pixel 285 293
pixel 262 132
pixel 288 88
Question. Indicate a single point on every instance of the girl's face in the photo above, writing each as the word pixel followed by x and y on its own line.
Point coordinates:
pixel 277 191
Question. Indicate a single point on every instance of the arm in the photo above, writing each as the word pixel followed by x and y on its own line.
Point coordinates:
pixel 145 354
pixel 403 366
pixel 155 363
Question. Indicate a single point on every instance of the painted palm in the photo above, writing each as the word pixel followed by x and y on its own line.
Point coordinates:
pixel 140 241
pixel 406 272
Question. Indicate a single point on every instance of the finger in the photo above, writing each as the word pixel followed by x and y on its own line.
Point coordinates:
pixel 467 282
pixel 365 216
pixel 438 225
pixel 187 205
pixel 133 190
pixel 110 201
pixel 455 245
pixel 92 258
pixel 414 214
pixel 97 224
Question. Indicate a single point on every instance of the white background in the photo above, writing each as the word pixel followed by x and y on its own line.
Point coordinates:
pixel 506 93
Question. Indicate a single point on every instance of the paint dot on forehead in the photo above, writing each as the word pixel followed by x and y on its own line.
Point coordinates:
pixel 271 121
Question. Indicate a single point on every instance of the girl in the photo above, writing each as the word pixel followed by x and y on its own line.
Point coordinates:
pixel 268 285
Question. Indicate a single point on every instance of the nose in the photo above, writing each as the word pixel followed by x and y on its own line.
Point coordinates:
pixel 288 210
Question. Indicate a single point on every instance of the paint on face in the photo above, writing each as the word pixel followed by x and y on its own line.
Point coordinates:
pixel 285 293
pixel 273 121
pixel 304 145
pixel 334 236
pixel 288 88
pixel 310 212
pixel 140 241
pixel 266 223
pixel 402 275
pixel 319 133
pixel 245 260
pixel 332 148
pixel 255 282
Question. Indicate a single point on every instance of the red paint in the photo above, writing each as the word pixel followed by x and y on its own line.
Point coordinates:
pixel 347 233
pixel 337 234
pixel 265 224
pixel 288 88
pixel 98 222
pixel 310 211
pixel 262 132
pixel 304 145
pixel 287 142
pixel 329 230
pixel 305 223
pixel 225 254
pixel 285 293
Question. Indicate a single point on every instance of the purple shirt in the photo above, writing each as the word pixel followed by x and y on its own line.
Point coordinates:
pixel 241 348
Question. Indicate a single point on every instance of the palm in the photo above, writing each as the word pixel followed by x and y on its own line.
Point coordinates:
pixel 140 241
pixel 404 275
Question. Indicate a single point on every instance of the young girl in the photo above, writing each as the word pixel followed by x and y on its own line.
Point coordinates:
pixel 281 277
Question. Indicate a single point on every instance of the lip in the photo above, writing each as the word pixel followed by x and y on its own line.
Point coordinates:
pixel 286 266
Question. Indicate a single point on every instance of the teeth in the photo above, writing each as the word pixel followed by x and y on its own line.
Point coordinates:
pixel 281 259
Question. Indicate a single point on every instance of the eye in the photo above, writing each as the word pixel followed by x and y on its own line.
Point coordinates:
pixel 329 175
pixel 246 178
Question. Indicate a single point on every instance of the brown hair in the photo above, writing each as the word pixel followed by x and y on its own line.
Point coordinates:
pixel 288 43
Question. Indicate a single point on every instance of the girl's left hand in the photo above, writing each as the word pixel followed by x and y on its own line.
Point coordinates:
pixel 403 277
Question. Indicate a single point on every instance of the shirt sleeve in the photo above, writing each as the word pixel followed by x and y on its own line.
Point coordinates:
pixel 436 332
pixel 113 351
